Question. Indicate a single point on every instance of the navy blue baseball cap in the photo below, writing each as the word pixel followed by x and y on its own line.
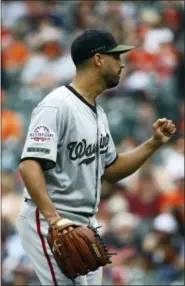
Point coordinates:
pixel 92 41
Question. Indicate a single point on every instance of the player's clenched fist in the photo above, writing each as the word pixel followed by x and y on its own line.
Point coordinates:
pixel 163 130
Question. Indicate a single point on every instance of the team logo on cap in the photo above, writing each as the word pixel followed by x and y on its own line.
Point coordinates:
pixel 41 134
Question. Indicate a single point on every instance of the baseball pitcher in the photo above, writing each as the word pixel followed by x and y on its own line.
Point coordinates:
pixel 68 150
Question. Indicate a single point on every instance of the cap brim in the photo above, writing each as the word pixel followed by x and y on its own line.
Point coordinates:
pixel 120 49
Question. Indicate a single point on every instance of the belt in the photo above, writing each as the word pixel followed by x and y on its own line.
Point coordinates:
pixel 87 215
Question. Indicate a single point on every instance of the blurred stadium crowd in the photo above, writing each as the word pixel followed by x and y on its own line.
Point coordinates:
pixel 142 217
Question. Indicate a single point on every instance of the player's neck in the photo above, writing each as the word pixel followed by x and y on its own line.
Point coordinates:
pixel 88 87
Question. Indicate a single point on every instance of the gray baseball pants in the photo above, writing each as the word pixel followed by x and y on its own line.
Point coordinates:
pixel 33 228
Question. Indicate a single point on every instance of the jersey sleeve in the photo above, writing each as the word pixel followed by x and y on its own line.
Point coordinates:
pixel 111 154
pixel 44 133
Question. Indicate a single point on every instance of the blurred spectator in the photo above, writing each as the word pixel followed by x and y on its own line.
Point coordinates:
pixel 16 267
pixel 130 183
pixel 52 65
pixel 120 238
pixel 144 201
pixel 147 115
pixel 163 246
pixel 110 207
pixel 11 123
pixel 12 11
pixel 173 202
pixel 123 229
pixel 142 60
pixel 12 132
pixel 167 59
pixel 157 33
pixel 7 230
pixel 38 11
pixel 172 166
pixel 11 201
pixel 14 52
pixel 84 16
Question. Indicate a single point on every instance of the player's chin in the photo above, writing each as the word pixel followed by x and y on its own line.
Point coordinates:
pixel 113 83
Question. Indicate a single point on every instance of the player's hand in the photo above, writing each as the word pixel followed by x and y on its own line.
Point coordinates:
pixel 163 130
pixel 63 222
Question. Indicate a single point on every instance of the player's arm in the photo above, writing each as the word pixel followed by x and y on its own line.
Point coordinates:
pixel 40 155
pixel 33 177
pixel 127 163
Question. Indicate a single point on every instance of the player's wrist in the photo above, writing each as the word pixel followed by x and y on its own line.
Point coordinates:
pixel 155 143
pixel 53 219
pixel 61 222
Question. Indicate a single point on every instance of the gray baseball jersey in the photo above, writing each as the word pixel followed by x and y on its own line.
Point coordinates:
pixel 72 141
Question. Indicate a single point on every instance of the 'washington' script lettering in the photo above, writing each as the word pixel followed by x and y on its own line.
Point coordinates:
pixel 78 150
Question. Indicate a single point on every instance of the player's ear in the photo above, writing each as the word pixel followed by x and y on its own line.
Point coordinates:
pixel 98 60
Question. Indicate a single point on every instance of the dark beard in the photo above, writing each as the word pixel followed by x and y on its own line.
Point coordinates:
pixel 111 82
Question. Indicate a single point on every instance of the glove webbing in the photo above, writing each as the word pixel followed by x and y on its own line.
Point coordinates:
pixel 108 255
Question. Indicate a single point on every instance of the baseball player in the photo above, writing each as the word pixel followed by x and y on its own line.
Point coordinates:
pixel 69 149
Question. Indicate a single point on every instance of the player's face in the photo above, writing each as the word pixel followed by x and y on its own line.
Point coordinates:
pixel 112 70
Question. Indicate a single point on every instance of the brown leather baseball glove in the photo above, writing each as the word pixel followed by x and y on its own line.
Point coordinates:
pixel 77 251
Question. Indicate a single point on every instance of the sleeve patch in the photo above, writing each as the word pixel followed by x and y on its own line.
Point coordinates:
pixel 41 134
pixel 39 150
